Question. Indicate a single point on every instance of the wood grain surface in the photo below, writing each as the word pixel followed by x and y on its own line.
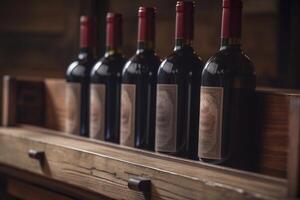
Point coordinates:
pixel 273 117
pixel 26 191
pixel 106 168
pixel 277 116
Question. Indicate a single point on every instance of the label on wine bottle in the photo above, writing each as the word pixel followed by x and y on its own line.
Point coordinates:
pixel 166 118
pixel 127 121
pixel 73 109
pixel 210 123
pixel 97 111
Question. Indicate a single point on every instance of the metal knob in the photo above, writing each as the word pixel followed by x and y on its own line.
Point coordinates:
pixel 37 155
pixel 141 185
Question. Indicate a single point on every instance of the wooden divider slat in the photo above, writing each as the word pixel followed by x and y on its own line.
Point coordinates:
pixel 9 101
pixel 55 104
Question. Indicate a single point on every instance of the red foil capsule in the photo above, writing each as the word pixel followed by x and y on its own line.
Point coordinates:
pixel 113 29
pixel 184 20
pixel 87 31
pixel 232 19
pixel 146 24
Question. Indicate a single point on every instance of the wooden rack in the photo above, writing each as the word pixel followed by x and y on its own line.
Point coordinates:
pixel 117 172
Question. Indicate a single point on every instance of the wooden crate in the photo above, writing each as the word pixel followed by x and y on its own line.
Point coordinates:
pixel 106 168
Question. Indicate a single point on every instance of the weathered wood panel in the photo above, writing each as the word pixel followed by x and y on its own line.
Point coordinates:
pixel 9 172
pixel 106 168
pixel 273 117
pixel 55 104
pixel 23 190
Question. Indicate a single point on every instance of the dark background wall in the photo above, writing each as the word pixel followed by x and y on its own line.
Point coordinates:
pixel 40 38
pixel 37 38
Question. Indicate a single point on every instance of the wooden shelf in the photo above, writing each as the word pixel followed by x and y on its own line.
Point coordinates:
pixel 106 168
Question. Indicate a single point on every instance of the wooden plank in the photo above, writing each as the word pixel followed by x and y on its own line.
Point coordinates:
pixel 274 116
pixel 26 191
pixel 9 101
pixel 45 182
pixel 40 39
pixel 30 102
pixel 23 101
pixel 294 148
pixel 272 129
pixel 273 126
pixel 55 104
pixel 37 18
pixel 106 168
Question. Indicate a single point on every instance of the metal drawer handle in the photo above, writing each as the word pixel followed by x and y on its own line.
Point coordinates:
pixel 37 155
pixel 141 185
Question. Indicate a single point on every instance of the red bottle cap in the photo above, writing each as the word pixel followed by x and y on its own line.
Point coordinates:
pixel 184 20
pixel 113 29
pixel 231 19
pixel 87 31
pixel 146 24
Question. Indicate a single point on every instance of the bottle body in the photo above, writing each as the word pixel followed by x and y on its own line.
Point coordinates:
pixel 227 105
pixel 77 94
pixel 105 98
pixel 106 84
pixel 138 92
pixel 138 101
pixel 178 95
pixel 78 78
pixel 226 130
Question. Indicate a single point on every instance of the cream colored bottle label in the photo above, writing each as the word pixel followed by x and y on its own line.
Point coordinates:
pixel 73 108
pixel 97 111
pixel 127 121
pixel 210 123
pixel 166 118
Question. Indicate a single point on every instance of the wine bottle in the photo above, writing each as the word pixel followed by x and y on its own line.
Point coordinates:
pixel 178 94
pixel 78 78
pixel 138 90
pixel 106 83
pixel 226 133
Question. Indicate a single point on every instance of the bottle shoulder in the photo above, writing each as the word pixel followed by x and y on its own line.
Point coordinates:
pixel 180 61
pixel 142 63
pixel 78 70
pixel 108 65
pixel 230 62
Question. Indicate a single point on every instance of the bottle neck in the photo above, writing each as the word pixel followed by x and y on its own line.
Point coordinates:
pixel 86 53
pixel 113 34
pixel 145 46
pixel 182 43
pixel 146 33
pixel 231 26
pixel 86 37
pixel 234 43
pixel 184 27
pixel 110 50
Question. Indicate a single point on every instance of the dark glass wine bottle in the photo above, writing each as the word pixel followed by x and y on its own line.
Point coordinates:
pixel 138 92
pixel 106 84
pixel 226 130
pixel 178 91
pixel 78 78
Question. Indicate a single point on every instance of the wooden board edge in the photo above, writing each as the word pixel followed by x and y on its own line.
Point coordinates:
pixel 45 182
pixel 9 101
pixel 224 182
pixel 294 149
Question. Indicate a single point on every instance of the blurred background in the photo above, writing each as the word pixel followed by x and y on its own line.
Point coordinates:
pixel 40 38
